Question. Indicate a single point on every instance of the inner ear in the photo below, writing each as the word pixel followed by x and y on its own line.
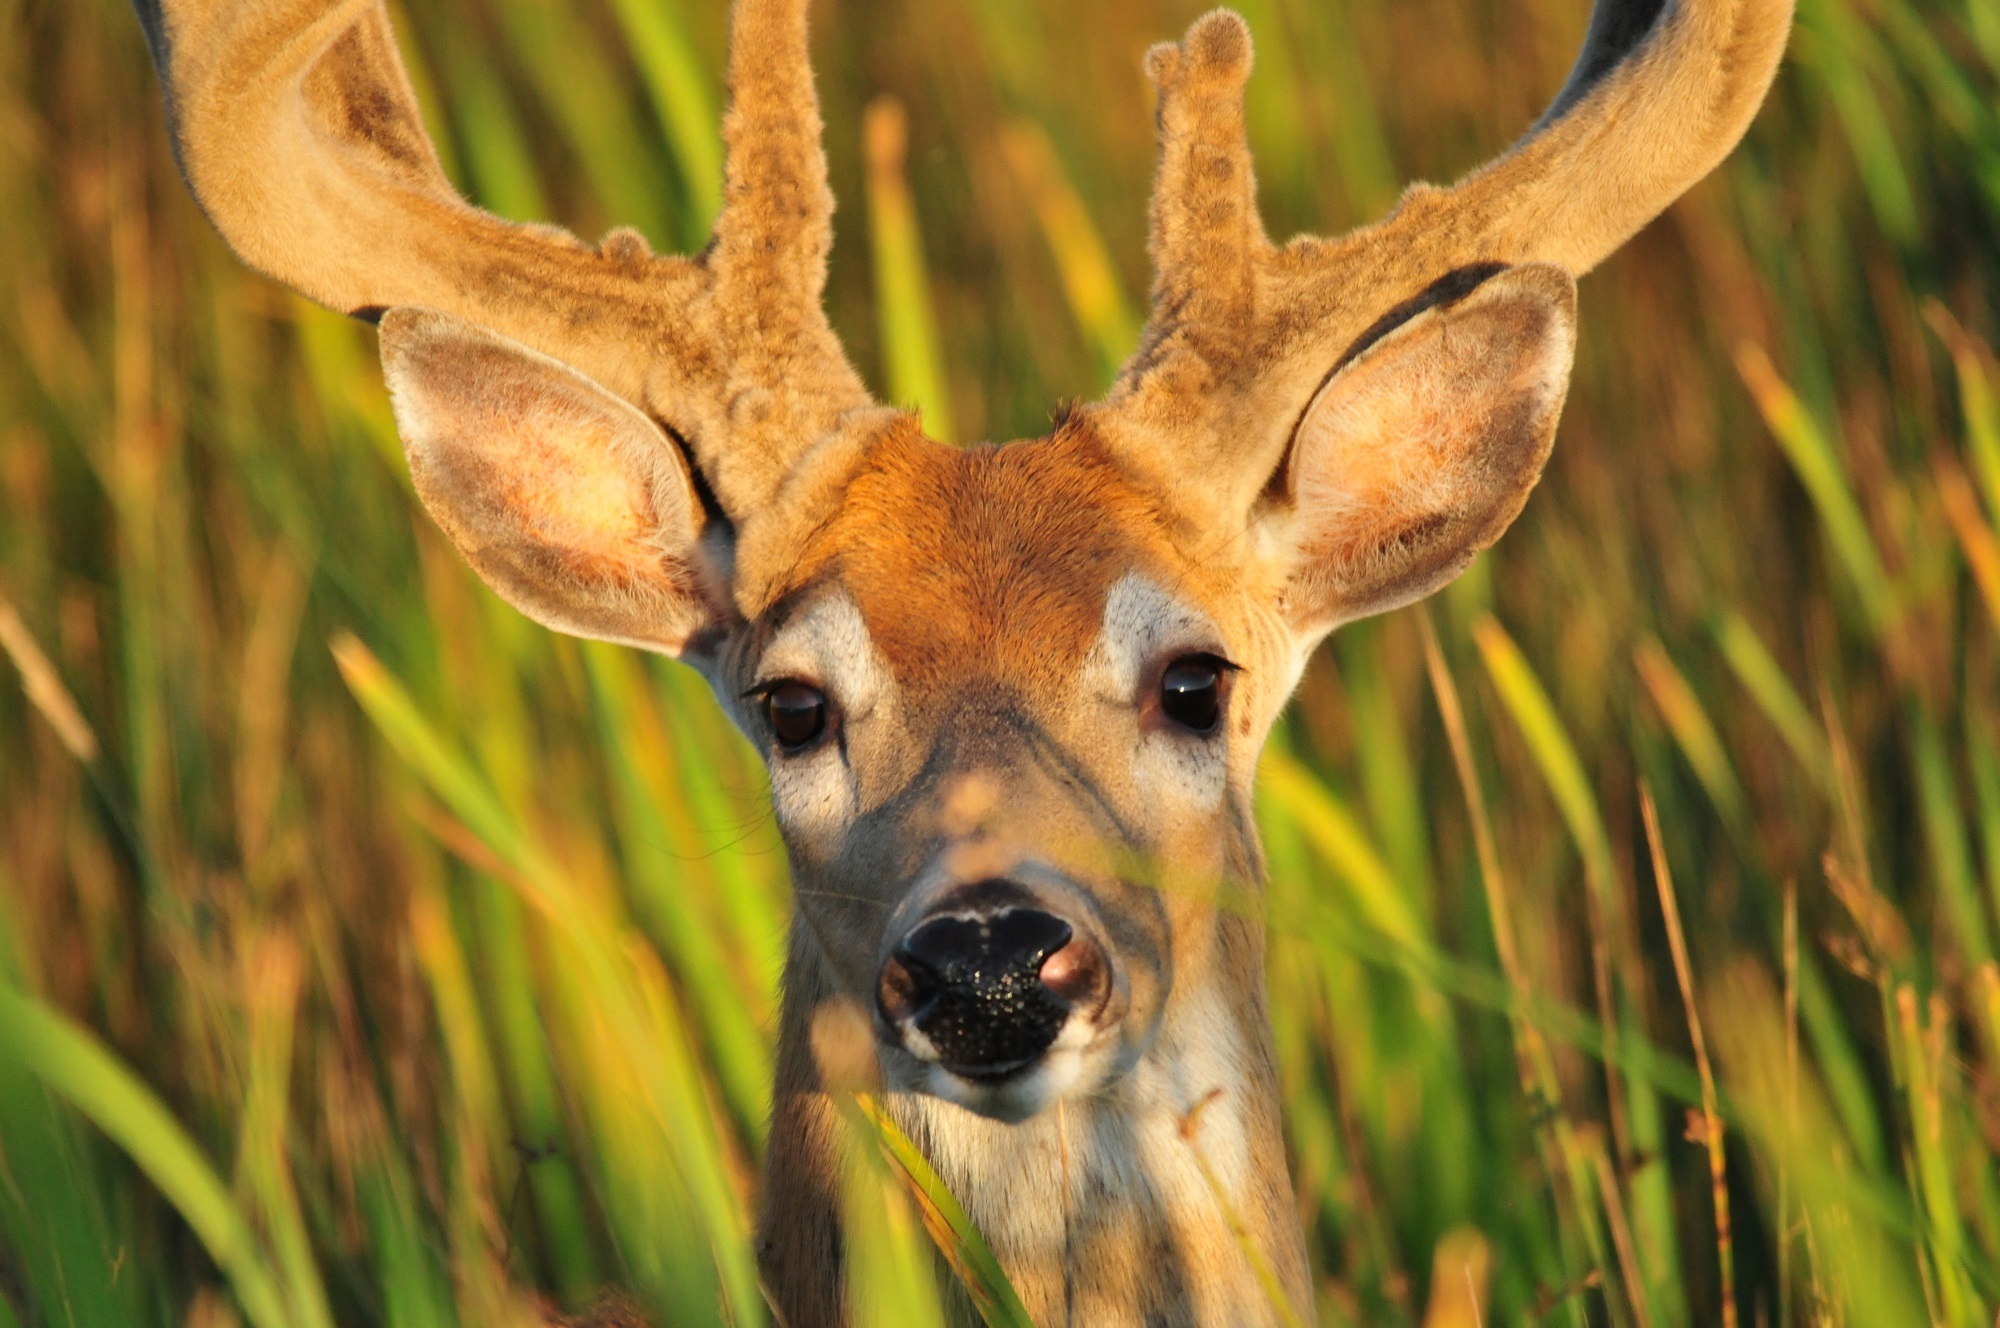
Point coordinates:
pixel 571 504
pixel 1423 447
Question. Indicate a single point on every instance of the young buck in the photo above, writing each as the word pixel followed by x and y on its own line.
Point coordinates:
pixel 1011 697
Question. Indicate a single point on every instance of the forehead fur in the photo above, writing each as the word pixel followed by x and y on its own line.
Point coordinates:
pixel 987 561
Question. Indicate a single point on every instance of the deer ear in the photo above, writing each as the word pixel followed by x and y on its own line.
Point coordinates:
pixel 572 505
pixel 1421 449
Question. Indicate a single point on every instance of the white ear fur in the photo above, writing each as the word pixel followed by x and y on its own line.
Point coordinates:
pixel 572 505
pixel 1419 452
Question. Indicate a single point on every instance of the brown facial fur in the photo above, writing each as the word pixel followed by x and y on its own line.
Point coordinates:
pixel 982 577
pixel 986 561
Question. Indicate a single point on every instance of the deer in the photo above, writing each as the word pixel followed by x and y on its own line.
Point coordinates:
pixel 1011 698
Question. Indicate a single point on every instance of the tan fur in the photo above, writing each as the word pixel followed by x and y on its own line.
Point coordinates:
pixel 1422 451
pixel 1308 433
pixel 994 556
pixel 481 417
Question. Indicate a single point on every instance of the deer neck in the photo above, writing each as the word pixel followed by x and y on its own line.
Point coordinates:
pixel 1121 1208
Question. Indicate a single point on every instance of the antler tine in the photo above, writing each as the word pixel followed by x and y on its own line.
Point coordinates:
pixel 1206 234
pixel 770 259
pixel 777 217
pixel 1209 250
pixel 1241 335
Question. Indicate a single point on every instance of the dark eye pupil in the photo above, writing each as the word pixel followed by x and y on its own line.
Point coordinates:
pixel 1191 694
pixel 797 713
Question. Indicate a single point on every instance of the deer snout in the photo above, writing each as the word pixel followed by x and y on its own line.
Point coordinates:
pixel 985 986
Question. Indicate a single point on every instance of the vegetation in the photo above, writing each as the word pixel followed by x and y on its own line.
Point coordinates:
pixel 371 956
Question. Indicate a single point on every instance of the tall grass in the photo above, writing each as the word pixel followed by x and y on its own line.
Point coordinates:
pixel 368 955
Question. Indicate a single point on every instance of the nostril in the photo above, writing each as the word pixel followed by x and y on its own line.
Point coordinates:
pixel 1079 974
pixel 906 985
pixel 1027 936
pixel 955 950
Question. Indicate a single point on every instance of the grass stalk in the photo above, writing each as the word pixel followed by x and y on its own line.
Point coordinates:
pixel 1764 678
pixel 1820 469
pixel 1976 539
pixel 1790 1108
pixel 1695 733
pixel 1621 1237
pixel 1974 365
pixel 272 990
pixel 1711 1116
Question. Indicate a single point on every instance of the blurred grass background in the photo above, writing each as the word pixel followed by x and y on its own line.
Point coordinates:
pixel 371 956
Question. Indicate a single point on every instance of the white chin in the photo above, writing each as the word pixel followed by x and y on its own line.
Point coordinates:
pixel 1015 1099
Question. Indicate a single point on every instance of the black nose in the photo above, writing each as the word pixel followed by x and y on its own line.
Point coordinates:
pixel 979 985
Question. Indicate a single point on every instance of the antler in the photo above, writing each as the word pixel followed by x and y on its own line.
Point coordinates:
pixel 1243 333
pixel 296 129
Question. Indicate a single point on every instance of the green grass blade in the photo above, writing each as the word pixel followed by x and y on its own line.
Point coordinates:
pixel 1839 47
pixel 1549 743
pixel 580 84
pixel 1972 362
pixel 679 85
pixel 911 352
pixel 396 715
pixel 728 796
pixel 273 991
pixel 415 1292
pixel 1764 678
pixel 1944 833
pixel 741 1050
pixel 77 1068
pixel 507 970
pixel 957 1239
pixel 1387 769
pixel 63 1254
pixel 617 996
pixel 1090 280
pixel 500 164
pixel 1984 758
pixel 1820 470
pixel 1863 1268
pixel 1340 839
pixel 1695 733
pixel 1927 1069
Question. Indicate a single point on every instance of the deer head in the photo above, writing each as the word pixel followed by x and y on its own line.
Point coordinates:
pixel 1011 697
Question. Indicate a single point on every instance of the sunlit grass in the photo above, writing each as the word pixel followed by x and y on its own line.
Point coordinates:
pixel 369 955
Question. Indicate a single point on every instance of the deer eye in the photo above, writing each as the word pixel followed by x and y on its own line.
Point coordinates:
pixel 1191 691
pixel 796 712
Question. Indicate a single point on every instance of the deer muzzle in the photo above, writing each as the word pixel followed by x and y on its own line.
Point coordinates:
pixel 989 980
